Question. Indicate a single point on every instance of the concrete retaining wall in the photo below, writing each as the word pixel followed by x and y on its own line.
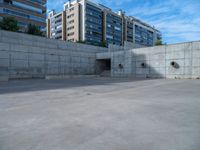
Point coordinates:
pixel 26 56
pixel 155 62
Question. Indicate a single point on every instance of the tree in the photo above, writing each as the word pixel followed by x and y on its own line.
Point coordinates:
pixel 159 42
pixel 8 1
pixel 9 23
pixel 34 30
pixel 104 43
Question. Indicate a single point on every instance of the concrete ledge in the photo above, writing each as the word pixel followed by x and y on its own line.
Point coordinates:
pixel 4 78
pixel 52 77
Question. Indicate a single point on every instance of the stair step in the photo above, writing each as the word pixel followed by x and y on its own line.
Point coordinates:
pixel 105 73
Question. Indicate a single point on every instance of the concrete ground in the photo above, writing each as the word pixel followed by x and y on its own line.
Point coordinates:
pixel 100 114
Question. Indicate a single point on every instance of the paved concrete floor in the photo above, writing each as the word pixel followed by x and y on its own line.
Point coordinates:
pixel 100 114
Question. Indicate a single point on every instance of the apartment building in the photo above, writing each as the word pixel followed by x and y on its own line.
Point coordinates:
pixel 25 12
pixel 96 24
pixel 138 32
pixel 56 28
pixel 113 27
pixel 92 23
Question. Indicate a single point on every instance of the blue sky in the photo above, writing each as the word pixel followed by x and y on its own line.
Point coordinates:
pixel 178 20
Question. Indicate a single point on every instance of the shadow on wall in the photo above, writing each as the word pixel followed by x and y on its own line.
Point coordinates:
pixel 129 64
pixel 168 61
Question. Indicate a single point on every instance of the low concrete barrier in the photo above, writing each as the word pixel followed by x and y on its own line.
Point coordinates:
pixel 70 77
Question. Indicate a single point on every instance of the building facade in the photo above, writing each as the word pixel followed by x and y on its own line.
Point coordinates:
pixel 113 28
pixel 57 25
pixel 139 33
pixel 96 24
pixel 93 24
pixel 25 12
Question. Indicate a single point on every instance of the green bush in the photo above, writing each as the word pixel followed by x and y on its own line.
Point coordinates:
pixel 9 23
pixel 34 30
pixel 104 43
pixel 158 42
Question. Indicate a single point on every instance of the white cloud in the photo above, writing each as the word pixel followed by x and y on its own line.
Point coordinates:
pixel 177 20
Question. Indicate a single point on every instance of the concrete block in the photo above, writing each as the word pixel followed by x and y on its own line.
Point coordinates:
pixel 195 53
pixel 52 71
pixel 52 58
pixel 174 71
pixel 106 55
pixel 36 63
pixel 76 59
pixel 188 71
pixel 196 71
pixel 141 71
pixel 4 46
pixel 77 65
pixel 157 56
pixel 19 48
pixel 4 62
pixel 36 57
pixel 141 75
pixel 188 62
pixel 37 50
pixel 27 42
pixel 158 71
pixel 196 45
pixel 175 55
pixel 178 47
pixel 195 62
pixel 19 55
pixel 57 77
pixel 140 57
pixel 157 49
pixel 4 54
pixel 157 63
pixel 3 78
pixel 4 71
pixel 19 63
pixel 188 54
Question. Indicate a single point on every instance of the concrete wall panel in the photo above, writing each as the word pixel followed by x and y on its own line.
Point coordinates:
pixel 26 56
pixel 158 61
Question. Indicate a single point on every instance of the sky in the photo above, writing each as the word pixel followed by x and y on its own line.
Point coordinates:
pixel 178 20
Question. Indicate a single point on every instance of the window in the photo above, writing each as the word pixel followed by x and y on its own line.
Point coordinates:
pixel 109 36
pixel 70 22
pixel 32 17
pixel 70 34
pixel 59 37
pixel 109 25
pixel 28 7
pixel 70 28
pixel 117 28
pixel 71 9
pixel 60 26
pixel 72 15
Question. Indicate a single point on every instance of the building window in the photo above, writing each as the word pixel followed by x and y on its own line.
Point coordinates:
pixel 71 9
pixel 117 28
pixel 70 34
pixel 72 15
pixel 15 13
pixel 70 22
